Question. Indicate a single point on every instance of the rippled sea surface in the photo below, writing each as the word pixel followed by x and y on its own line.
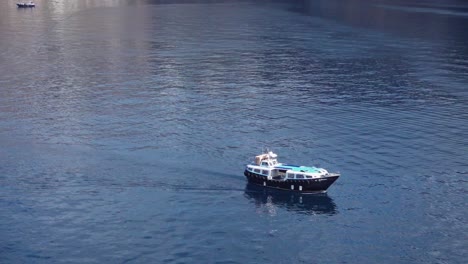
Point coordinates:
pixel 125 127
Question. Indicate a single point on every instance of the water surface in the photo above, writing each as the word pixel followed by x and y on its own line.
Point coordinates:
pixel 125 126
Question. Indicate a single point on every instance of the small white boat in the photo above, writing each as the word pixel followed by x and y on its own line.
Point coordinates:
pixel 266 171
pixel 28 4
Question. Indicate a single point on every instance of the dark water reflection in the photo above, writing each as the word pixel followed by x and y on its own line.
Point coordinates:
pixel 431 19
pixel 270 199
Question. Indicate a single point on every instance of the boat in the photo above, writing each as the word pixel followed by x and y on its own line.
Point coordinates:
pixel 266 171
pixel 28 4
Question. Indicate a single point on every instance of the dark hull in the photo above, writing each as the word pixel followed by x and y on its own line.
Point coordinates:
pixel 303 186
pixel 25 5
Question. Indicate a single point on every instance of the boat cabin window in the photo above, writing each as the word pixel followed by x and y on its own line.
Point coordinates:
pixel 265 172
pixel 257 170
pixel 308 177
pixel 265 163
pixel 290 176
pixel 299 176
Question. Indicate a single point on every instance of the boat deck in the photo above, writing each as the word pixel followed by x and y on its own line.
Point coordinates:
pixel 298 168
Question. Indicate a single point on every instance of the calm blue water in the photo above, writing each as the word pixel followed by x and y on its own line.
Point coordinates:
pixel 125 126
